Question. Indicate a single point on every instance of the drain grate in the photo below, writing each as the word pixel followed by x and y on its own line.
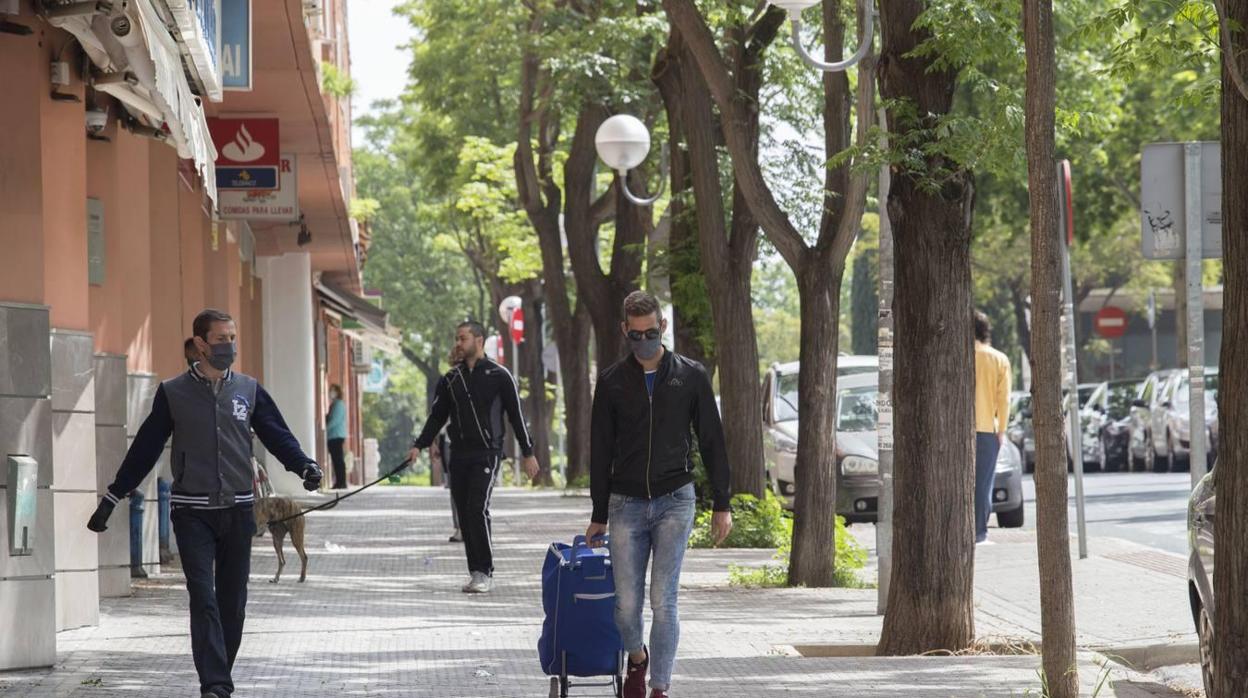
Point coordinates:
pixel 1164 563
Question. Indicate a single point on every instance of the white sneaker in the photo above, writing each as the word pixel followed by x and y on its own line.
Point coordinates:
pixel 479 584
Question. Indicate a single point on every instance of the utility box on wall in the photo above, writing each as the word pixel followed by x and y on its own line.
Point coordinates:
pixel 22 508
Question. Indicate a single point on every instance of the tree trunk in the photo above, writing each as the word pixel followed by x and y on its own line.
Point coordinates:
pixel 536 404
pixel 1022 327
pixel 931 596
pixel 1057 603
pixel 574 372
pixel 1230 583
pixel 727 260
pixel 684 269
pixel 813 559
pixel 1180 313
pixel 864 299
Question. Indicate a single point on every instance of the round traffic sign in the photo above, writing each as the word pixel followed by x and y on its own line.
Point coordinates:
pixel 1111 322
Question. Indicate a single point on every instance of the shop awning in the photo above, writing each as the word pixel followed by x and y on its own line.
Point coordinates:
pixel 361 319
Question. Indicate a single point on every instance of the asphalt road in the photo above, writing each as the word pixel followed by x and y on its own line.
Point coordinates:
pixel 1145 508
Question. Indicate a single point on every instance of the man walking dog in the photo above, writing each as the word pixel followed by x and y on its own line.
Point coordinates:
pixel 473 395
pixel 211 411
pixel 646 408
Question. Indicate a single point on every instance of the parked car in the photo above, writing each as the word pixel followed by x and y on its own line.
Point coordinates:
pixel 1200 569
pixel 1114 434
pixel 857 457
pixel 1147 398
pixel 1022 434
pixel 780 402
pixel 1172 439
pixel 1093 420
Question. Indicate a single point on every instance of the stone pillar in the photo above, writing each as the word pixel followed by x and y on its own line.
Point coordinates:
pixel 74 479
pixel 289 353
pixel 110 445
pixel 141 391
pixel 27 584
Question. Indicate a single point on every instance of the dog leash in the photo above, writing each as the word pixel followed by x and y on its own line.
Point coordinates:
pixel 339 497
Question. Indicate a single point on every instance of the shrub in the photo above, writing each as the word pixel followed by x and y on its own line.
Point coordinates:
pixel 851 557
pixel 755 524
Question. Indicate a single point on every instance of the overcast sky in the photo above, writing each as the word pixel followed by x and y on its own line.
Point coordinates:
pixel 378 59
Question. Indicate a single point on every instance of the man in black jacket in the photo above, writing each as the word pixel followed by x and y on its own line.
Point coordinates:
pixel 211 411
pixel 647 408
pixel 473 396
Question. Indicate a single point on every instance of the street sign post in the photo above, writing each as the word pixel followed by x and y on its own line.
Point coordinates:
pixel 884 519
pixel 1066 220
pixel 1181 218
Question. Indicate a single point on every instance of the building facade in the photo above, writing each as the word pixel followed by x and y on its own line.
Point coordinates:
pixel 119 223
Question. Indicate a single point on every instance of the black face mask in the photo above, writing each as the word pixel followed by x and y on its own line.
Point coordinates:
pixel 222 355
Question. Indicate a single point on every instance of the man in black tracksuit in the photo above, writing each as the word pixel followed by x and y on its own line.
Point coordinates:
pixel 473 396
pixel 211 411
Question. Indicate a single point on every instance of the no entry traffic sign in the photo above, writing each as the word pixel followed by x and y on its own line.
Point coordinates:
pixel 1111 322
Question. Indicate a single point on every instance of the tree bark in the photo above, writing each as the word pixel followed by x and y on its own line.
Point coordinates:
pixel 541 199
pixel 537 409
pixel 1180 313
pixel 1021 325
pixel 1230 583
pixel 684 269
pixel 812 562
pixel 1057 603
pixel 727 258
pixel 931 597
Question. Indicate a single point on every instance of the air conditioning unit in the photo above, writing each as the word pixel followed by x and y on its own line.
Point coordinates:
pixel 361 358
pixel 313 8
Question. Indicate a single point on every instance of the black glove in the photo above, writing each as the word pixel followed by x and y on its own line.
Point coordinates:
pixel 312 477
pixel 99 520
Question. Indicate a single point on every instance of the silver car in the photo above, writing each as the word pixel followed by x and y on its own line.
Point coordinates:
pixel 1200 517
pixel 857 457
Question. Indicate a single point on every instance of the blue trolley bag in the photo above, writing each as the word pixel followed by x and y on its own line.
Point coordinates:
pixel 579 636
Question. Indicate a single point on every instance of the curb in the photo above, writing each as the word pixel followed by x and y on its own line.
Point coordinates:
pixel 1148 658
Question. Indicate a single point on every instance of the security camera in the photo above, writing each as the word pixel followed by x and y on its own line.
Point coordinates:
pixel 97 121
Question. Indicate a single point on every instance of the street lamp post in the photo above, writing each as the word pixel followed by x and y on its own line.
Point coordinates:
pixel 795 7
pixel 623 142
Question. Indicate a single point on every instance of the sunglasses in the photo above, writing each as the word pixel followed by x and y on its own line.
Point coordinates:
pixel 638 335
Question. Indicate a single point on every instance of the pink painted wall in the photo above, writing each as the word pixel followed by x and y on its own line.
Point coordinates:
pixel 63 149
pixel 169 329
pixel 106 307
pixel 21 176
pixel 135 260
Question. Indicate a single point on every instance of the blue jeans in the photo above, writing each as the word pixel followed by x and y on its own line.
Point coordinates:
pixel 638 528
pixel 215 546
pixel 987 446
pixel 136 528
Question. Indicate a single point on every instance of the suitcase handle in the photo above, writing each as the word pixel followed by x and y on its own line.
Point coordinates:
pixel 581 542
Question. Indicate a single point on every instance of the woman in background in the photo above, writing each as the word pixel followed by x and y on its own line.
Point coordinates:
pixel 336 434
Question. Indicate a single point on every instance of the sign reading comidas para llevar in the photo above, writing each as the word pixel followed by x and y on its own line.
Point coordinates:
pixel 281 204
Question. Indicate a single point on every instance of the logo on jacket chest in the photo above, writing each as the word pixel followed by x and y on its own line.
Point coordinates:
pixel 242 409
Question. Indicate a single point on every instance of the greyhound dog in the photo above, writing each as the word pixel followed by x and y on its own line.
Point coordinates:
pixel 269 512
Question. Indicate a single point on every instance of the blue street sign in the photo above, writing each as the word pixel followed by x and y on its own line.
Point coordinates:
pixel 246 178
pixel 235 58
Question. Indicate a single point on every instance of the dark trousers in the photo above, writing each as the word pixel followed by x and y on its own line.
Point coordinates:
pixel 340 463
pixel 987 447
pixel 215 546
pixel 472 483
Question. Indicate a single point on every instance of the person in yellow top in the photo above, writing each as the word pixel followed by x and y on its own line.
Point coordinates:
pixel 992 415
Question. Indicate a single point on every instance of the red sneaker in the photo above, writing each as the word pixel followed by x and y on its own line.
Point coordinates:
pixel 635 677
